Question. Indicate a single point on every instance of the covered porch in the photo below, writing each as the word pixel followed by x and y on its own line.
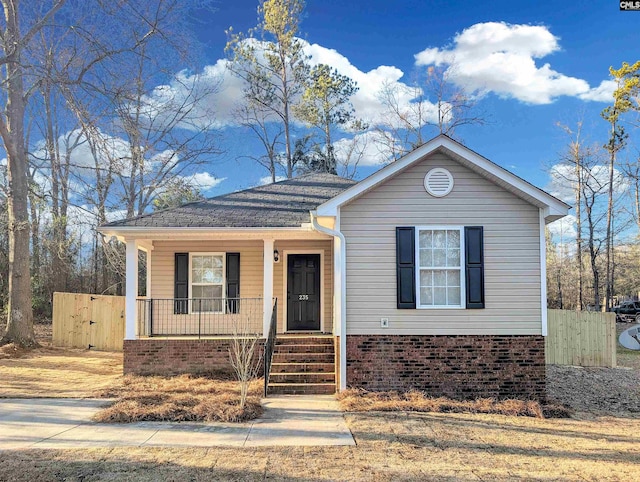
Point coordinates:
pixel 232 283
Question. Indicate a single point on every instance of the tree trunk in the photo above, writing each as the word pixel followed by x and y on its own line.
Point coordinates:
pixel 578 193
pixel 20 313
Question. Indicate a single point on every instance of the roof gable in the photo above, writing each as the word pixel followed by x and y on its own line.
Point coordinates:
pixel 553 207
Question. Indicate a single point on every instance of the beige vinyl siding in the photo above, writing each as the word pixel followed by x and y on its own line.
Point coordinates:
pixel 162 287
pixel 163 264
pixel 511 254
pixel 251 269
pixel 279 289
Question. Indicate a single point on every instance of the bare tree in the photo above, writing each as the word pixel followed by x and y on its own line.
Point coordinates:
pixel 271 61
pixel 434 105
pixel 255 117
pixel 14 40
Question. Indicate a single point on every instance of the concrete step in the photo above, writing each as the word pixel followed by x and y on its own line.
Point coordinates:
pixel 302 388
pixel 302 377
pixel 303 348
pixel 303 358
pixel 302 367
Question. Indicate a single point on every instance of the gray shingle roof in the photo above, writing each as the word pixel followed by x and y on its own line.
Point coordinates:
pixel 282 204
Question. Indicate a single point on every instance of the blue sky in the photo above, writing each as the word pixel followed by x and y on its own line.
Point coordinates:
pixel 559 54
pixel 578 41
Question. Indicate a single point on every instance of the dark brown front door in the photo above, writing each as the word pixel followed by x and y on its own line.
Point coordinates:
pixel 303 292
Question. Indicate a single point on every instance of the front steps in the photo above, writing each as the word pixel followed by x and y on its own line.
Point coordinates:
pixel 303 365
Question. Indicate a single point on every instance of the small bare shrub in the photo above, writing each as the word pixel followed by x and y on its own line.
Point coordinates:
pixel 245 357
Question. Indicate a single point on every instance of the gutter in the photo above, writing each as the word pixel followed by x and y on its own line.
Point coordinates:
pixel 340 289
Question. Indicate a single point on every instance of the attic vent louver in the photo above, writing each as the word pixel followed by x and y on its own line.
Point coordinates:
pixel 438 182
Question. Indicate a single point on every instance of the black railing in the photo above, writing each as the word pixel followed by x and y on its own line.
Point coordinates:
pixel 270 344
pixel 199 316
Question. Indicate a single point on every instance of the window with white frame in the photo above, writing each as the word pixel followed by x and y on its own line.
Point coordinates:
pixel 440 259
pixel 207 282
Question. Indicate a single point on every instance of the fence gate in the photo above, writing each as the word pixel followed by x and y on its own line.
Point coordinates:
pixel 88 321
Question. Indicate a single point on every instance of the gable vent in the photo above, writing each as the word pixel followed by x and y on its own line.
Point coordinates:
pixel 438 182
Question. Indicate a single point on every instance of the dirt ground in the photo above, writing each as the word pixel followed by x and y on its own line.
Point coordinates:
pixel 55 372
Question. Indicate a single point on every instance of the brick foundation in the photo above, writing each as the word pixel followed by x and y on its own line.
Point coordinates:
pixel 156 356
pixel 454 366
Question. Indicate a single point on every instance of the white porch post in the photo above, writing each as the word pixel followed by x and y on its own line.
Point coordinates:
pixel 267 283
pixel 132 289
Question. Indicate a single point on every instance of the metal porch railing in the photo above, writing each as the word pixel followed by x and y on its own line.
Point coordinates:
pixel 199 316
pixel 270 345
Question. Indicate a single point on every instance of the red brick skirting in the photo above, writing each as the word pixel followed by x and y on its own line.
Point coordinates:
pixel 156 356
pixel 453 366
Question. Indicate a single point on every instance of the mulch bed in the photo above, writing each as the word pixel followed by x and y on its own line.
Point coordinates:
pixel 355 400
pixel 178 399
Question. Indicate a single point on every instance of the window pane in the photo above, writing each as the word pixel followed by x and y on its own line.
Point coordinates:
pixel 440 257
pixel 426 257
pixel 439 239
pixel 439 296
pixel 197 275
pixel 439 278
pixel 453 257
pixel 426 296
pixel 210 296
pixel 454 296
pixel 453 239
pixel 425 239
pixel 425 278
pixel 196 262
pixel 453 278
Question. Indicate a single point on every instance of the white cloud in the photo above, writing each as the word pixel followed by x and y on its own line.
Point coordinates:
pixel 602 93
pixel 501 58
pixel 365 149
pixel 366 101
pixel 564 230
pixel 226 89
pixel 204 180
pixel 564 180
pixel 267 180
pixel 211 95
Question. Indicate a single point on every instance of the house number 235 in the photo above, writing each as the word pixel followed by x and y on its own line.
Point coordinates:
pixel 303 297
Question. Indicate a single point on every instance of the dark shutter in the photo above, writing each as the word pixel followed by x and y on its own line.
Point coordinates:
pixel 406 267
pixel 474 266
pixel 233 282
pixel 181 278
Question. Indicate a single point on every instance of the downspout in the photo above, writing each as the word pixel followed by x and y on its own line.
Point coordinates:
pixel 340 266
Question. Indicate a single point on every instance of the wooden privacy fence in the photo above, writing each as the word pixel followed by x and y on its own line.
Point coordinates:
pixel 581 338
pixel 88 321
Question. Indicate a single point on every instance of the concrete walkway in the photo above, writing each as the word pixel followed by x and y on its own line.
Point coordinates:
pixel 66 423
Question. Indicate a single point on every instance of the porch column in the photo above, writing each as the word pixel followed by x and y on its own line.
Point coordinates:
pixel 267 283
pixel 132 289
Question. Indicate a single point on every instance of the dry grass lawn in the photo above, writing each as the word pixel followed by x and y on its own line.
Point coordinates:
pixel 390 446
pixel 179 399
pixel 57 372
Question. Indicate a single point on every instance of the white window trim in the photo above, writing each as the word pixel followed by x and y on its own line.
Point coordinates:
pixel 224 282
pixel 463 290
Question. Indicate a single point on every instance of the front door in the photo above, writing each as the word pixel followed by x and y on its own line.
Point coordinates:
pixel 303 292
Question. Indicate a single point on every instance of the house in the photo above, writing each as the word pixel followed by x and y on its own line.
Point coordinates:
pixel 428 274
